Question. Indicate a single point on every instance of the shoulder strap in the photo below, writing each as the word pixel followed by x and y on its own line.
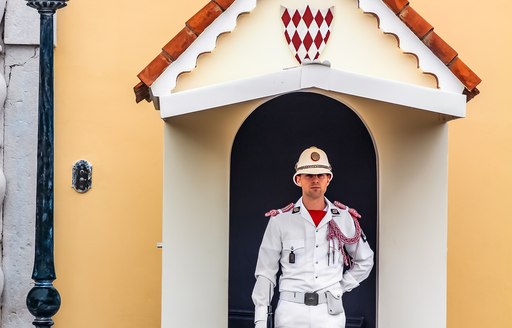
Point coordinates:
pixel 285 209
pixel 352 211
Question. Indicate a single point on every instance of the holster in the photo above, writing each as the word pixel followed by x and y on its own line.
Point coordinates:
pixel 270 317
pixel 334 303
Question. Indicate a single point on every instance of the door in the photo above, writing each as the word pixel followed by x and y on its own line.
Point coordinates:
pixel 263 157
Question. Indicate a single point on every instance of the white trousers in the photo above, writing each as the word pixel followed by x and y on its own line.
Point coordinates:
pixel 296 315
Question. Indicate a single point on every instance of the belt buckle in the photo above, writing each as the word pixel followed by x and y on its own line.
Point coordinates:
pixel 311 299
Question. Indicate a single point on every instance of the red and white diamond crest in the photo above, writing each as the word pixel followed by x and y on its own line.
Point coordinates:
pixel 307 31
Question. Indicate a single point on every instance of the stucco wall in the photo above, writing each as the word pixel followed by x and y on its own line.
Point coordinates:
pixel 108 265
pixel 19 90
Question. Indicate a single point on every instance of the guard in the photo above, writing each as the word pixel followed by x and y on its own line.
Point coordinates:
pixel 311 241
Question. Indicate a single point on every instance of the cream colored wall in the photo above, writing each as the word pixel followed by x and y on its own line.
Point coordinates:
pixel 108 269
pixel 108 266
pixel 412 152
pixel 412 171
pixel 480 148
pixel 196 204
pixel 257 46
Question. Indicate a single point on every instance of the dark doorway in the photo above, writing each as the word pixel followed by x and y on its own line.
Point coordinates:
pixel 264 153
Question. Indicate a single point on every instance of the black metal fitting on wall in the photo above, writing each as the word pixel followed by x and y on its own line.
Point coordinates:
pixel 82 176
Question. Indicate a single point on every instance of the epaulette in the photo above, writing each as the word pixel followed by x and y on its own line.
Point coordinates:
pixel 285 209
pixel 340 205
pixel 353 212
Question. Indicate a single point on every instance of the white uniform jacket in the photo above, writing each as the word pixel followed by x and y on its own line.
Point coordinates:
pixel 313 269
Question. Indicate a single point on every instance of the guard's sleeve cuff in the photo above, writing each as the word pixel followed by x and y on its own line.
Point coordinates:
pixel 260 314
pixel 348 282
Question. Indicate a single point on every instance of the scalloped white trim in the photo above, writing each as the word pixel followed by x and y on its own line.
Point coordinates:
pixel 410 43
pixel 205 42
pixel 389 23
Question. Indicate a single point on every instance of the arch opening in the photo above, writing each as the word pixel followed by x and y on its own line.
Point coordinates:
pixel 263 156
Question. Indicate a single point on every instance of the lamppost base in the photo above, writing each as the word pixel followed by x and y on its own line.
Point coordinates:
pixel 43 302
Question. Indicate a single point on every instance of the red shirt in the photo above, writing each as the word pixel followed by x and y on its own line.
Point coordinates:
pixel 317 216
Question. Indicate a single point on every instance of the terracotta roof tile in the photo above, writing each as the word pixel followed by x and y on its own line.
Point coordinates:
pixel 396 5
pixel 179 43
pixel 439 47
pixel 415 22
pixel 465 74
pixel 204 17
pixel 151 72
pixel 224 4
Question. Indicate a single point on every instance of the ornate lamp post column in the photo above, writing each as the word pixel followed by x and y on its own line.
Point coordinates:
pixel 43 300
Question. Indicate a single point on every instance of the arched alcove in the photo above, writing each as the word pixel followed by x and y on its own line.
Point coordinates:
pixel 263 156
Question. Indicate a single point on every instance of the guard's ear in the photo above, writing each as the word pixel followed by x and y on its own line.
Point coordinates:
pixel 297 180
pixel 329 177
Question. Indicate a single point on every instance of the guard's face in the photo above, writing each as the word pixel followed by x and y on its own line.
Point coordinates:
pixel 313 185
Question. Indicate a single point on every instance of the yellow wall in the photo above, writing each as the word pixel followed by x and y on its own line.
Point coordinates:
pixel 480 148
pixel 107 264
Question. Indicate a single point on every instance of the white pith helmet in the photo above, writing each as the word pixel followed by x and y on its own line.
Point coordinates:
pixel 312 161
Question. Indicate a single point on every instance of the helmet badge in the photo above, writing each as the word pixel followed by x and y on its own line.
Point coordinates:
pixel 315 156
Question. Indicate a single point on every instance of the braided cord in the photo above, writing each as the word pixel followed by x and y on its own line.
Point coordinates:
pixel 334 232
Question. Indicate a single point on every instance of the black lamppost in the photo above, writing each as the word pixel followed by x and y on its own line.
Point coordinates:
pixel 43 300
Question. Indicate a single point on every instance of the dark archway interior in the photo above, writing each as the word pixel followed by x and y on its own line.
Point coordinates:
pixel 264 153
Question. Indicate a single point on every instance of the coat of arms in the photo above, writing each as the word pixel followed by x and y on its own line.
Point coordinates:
pixel 307 31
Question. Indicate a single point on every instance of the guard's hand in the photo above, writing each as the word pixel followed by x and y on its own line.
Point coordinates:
pixel 260 324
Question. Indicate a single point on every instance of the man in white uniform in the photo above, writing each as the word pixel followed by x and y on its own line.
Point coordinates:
pixel 311 240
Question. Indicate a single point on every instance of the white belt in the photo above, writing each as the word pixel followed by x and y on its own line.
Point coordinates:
pixel 303 298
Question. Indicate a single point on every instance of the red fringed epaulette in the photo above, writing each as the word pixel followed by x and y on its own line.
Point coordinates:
pixel 279 211
pixel 353 212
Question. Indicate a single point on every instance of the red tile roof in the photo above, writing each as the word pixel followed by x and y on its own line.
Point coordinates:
pixel 205 16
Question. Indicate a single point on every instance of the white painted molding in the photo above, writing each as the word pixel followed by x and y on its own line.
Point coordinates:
pixel 312 76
